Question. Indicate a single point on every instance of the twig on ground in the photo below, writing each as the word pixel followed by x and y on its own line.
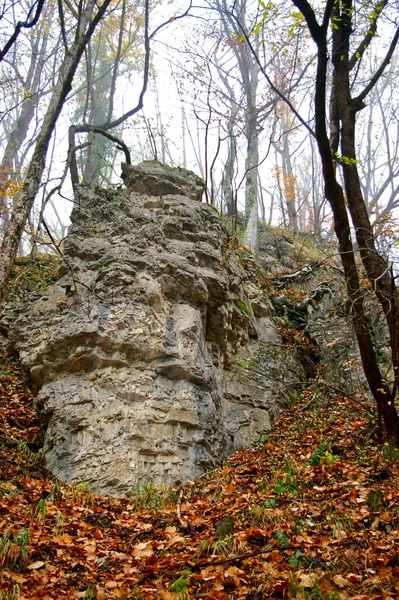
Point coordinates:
pixel 247 555
pixel 137 534
pixel 312 399
pixel 14 421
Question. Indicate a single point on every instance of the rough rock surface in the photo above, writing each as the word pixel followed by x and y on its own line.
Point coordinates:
pixel 154 355
pixel 311 296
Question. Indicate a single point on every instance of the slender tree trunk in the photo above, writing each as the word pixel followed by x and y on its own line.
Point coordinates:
pixel 375 267
pixel 288 175
pixel 228 173
pixel 28 107
pixel 183 133
pixel 289 187
pixel 249 72
pixel 13 233
pixel 251 184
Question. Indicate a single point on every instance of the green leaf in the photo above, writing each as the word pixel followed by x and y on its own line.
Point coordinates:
pixel 243 307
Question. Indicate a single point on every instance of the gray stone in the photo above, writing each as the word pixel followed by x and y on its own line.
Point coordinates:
pixel 154 355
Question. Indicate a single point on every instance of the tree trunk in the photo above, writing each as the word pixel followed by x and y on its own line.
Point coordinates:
pixel 375 266
pixel 28 106
pixel 251 185
pixel 228 173
pixel 13 233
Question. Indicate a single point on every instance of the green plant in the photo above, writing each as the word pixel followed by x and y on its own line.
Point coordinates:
pixel 299 525
pixel 310 592
pixel 23 449
pixel 150 497
pixel 32 275
pixel 243 307
pixel 55 492
pixel 269 518
pixel 242 362
pixel 8 489
pixel 270 503
pixel 318 454
pixel 59 519
pixel 81 494
pixel 180 588
pixel 340 527
pixel 91 592
pixel 363 458
pixel 299 560
pixel 374 500
pixel 290 475
pixel 263 516
pixel 225 546
pixel 224 528
pixel 32 461
pixel 281 537
pixel 257 515
pixel 390 453
pixel 15 594
pixel 287 483
pixel 13 552
pixel 40 511
pixel 382 356
pixel 321 454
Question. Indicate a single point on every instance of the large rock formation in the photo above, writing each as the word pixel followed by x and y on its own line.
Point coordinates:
pixel 154 355
pixel 310 296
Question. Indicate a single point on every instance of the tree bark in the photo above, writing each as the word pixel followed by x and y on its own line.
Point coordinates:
pixel 12 235
pixel 376 268
pixel 251 183
pixel 29 104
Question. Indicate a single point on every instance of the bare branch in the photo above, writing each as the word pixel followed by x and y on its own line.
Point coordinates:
pixel 364 44
pixel 269 81
pixel 147 38
pixel 358 101
pixel 23 25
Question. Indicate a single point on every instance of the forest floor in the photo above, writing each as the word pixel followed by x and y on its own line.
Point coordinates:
pixel 311 512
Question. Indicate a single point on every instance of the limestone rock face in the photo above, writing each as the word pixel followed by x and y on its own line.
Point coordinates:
pixel 153 356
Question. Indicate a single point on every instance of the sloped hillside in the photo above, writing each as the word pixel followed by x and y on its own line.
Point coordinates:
pixel 310 512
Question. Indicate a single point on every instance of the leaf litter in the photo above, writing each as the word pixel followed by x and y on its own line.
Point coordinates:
pixel 311 512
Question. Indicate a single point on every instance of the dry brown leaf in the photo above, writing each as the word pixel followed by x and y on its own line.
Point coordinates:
pixel 386 517
pixel 143 549
pixel 36 565
pixel 352 554
pixel 17 577
pixel 340 581
pixel 308 580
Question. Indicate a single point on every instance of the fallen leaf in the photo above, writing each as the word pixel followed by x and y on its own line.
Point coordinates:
pixel 352 554
pixel 17 577
pixel 308 580
pixel 354 578
pixel 36 565
pixel 340 581
pixel 386 517
pixel 143 549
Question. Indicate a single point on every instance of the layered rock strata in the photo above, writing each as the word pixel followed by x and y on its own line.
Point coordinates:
pixel 153 356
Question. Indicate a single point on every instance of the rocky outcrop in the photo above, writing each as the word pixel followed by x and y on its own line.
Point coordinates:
pixel 310 296
pixel 154 355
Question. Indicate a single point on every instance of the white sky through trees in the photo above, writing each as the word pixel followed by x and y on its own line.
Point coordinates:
pixel 187 103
